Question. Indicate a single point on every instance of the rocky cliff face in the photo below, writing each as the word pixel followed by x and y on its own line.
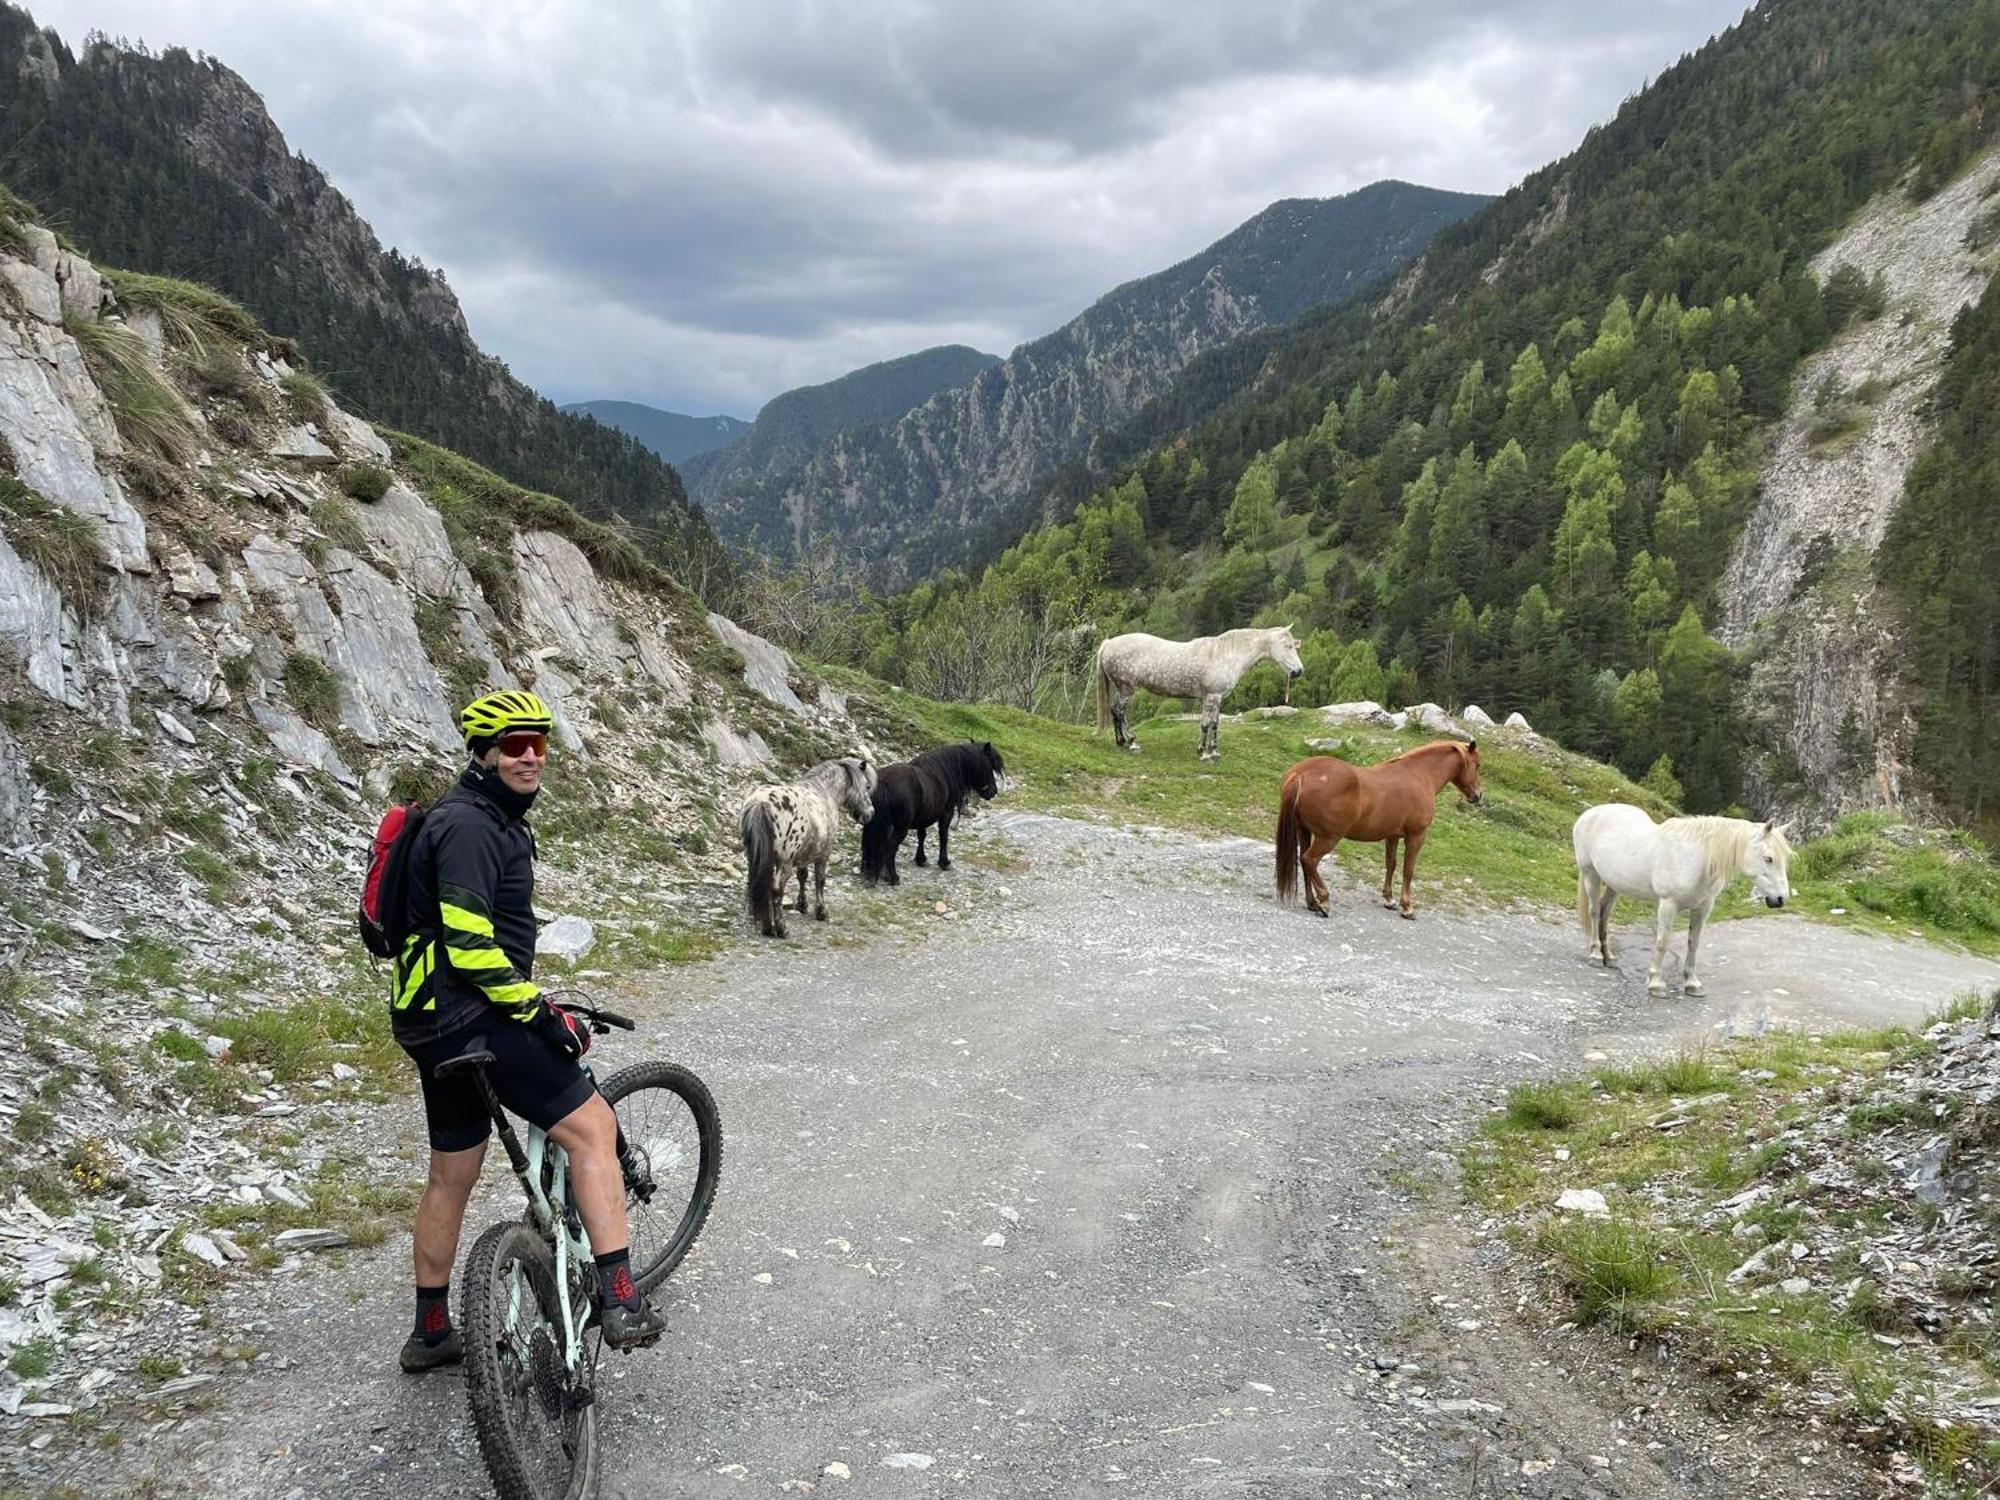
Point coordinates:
pixel 903 495
pixel 1826 697
pixel 169 161
pixel 235 621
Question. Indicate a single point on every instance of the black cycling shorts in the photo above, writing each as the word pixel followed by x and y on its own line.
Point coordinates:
pixel 532 1078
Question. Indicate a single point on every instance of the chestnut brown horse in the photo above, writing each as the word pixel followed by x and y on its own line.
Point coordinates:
pixel 1324 800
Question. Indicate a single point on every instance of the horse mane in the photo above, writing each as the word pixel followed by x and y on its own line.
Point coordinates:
pixel 1722 841
pixel 1434 745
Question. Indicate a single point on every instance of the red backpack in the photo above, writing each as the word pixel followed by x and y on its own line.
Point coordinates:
pixel 385 899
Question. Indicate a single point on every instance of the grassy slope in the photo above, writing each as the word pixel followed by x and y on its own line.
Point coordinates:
pixel 1514 849
pixel 1658 1265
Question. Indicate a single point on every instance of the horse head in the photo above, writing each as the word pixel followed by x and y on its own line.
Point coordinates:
pixel 857 793
pixel 1283 648
pixel 1467 777
pixel 1767 860
pixel 989 767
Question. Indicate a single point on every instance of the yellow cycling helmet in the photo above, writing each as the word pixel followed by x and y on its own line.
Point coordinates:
pixel 504 712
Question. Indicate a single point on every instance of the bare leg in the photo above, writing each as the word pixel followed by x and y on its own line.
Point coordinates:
pixel 1411 844
pixel 802 890
pixel 589 1134
pixel 1663 925
pixel 1126 739
pixel 1389 871
pixel 819 890
pixel 1317 893
pixel 1211 736
pixel 920 845
pixel 1604 904
pixel 441 1211
pixel 1689 981
pixel 944 836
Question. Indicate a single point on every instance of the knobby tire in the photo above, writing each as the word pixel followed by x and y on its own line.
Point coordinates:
pixel 527 1458
pixel 627 1090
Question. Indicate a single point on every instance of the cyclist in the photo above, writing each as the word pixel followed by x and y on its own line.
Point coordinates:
pixel 463 979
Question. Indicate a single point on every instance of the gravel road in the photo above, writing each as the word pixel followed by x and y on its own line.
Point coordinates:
pixel 1094 1184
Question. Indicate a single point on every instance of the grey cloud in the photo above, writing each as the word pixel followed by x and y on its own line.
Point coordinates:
pixel 702 205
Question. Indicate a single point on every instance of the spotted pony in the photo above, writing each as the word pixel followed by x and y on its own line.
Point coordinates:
pixel 793 826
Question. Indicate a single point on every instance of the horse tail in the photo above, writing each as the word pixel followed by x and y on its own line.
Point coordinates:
pixel 1584 915
pixel 760 847
pixel 1288 841
pixel 1103 693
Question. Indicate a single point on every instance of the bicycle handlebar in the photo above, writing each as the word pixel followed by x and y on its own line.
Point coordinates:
pixel 601 1021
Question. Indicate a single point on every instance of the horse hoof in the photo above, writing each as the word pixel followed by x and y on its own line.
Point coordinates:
pixel 1659 990
pixel 820 915
pixel 1409 916
pixel 921 860
pixel 1694 987
pixel 944 864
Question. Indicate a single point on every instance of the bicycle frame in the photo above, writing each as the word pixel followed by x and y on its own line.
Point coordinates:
pixel 561 1226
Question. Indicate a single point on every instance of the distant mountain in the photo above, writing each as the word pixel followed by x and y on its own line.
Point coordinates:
pixel 170 161
pixel 914 490
pixel 792 425
pixel 670 434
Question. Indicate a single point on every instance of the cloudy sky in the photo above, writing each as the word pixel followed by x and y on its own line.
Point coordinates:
pixel 699 205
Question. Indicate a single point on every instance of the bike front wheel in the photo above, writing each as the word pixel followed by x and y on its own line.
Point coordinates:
pixel 536 1421
pixel 673 1161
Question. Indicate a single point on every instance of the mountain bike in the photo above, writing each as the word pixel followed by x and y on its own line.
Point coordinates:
pixel 528 1314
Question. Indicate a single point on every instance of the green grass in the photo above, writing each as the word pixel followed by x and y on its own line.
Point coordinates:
pixel 1543 1106
pixel 305 398
pixel 194 316
pixel 365 481
pixel 1884 876
pixel 340 522
pixel 1658 1264
pixel 150 413
pixel 64 547
pixel 313 689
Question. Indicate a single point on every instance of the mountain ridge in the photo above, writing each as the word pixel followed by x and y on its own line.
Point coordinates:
pixel 673 435
pixel 902 492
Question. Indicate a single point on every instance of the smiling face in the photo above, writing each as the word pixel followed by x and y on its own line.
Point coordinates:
pixel 519 760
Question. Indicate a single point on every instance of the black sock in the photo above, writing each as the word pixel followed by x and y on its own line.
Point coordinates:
pixel 614 1275
pixel 434 1313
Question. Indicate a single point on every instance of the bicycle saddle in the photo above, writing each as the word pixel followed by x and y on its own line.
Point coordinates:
pixel 474 1056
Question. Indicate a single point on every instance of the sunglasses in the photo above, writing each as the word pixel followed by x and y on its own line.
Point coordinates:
pixel 514 746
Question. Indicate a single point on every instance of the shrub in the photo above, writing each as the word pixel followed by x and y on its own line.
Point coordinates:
pixel 219 371
pixel 365 481
pixel 313 689
pixel 340 522
pixel 194 316
pixel 1609 1267
pixel 1542 1106
pixel 305 397
pixel 66 548
pixel 149 412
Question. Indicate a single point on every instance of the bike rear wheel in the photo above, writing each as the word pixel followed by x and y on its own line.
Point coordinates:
pixel 674 1138
pixel 538 1438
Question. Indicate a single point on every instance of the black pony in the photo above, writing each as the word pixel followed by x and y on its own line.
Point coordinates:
pixel 917 793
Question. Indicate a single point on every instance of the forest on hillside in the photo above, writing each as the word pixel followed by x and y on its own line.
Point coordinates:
pixel 105 154
pixel 1516 477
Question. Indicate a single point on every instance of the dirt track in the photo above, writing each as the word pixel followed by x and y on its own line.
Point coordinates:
pixel 1191 1116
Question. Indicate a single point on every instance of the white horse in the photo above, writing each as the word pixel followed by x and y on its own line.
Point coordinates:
pixel 1205 668
pixel 793 826
pixel 1680 865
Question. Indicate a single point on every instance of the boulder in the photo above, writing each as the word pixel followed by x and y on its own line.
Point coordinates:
pixel 568 938
pixel 733 749
pixel 1516 721
pixel 767 669
pixel 1586 1201
pixel 1474 714
pixel 302 444
pixel 1429 716
pixel 1362 712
